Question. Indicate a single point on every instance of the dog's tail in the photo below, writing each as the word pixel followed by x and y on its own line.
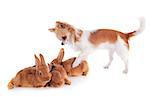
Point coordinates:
pixel 139 30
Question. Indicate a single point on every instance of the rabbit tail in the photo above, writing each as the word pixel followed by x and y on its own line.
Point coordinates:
pixel 11 84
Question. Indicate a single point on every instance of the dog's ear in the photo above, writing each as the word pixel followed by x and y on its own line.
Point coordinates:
pixel 76 36
pixel 58 22
pixel 51 29
pixel 61 25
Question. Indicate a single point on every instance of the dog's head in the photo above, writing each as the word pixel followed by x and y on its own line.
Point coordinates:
pixel 65 32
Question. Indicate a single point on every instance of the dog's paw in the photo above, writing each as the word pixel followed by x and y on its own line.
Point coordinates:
pixel 75 64
pixel 125 71
pixel 106 67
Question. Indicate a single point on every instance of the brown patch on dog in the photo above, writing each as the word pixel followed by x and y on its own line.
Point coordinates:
pixel 103 35
pixel 108 35
pixel 126 36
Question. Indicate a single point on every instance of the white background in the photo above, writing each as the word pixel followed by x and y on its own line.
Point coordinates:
pixel 24 32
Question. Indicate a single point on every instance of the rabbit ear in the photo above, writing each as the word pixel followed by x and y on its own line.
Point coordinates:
pixel 60 55
pixel 50 67
pixel 42 59
pixel 37 61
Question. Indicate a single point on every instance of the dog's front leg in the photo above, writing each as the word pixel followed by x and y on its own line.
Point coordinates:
pixel 81 57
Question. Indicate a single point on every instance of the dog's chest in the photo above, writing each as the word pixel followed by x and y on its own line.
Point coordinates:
pixel 84 43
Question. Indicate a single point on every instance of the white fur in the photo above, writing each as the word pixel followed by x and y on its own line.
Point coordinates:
pixel 122 51
pixel 142 25
pixel 86 48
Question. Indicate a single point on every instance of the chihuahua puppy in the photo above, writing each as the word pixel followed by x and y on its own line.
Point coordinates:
pixel 89 41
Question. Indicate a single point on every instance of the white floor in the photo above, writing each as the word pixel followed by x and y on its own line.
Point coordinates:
pixel 23 32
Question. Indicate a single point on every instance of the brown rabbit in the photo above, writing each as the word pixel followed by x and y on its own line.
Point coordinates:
pixel 59 75
pixel 81 69
pixel 36 76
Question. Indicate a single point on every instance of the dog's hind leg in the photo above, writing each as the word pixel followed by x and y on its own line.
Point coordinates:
pixel 122 51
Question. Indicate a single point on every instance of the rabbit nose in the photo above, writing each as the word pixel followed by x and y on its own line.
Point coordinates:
pixel 53 67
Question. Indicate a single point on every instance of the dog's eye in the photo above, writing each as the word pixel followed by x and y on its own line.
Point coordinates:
pixel 64 37
pixel 62 26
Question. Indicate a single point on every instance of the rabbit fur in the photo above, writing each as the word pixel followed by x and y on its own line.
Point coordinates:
pixel 60 70
pixel 36 76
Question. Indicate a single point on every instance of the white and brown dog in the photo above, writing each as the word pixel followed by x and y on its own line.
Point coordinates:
pixel 89 41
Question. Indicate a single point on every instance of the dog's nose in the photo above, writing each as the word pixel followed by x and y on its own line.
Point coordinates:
pixel 62 43
pixel 64 37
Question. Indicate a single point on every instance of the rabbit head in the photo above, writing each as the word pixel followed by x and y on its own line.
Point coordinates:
pixel 56 63
pixel 42 71
pixel 59 58
pixel 59 75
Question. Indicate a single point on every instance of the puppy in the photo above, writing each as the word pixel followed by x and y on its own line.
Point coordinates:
pixel 89 41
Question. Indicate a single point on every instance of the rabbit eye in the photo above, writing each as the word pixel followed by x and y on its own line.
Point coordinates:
pixel 40 73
